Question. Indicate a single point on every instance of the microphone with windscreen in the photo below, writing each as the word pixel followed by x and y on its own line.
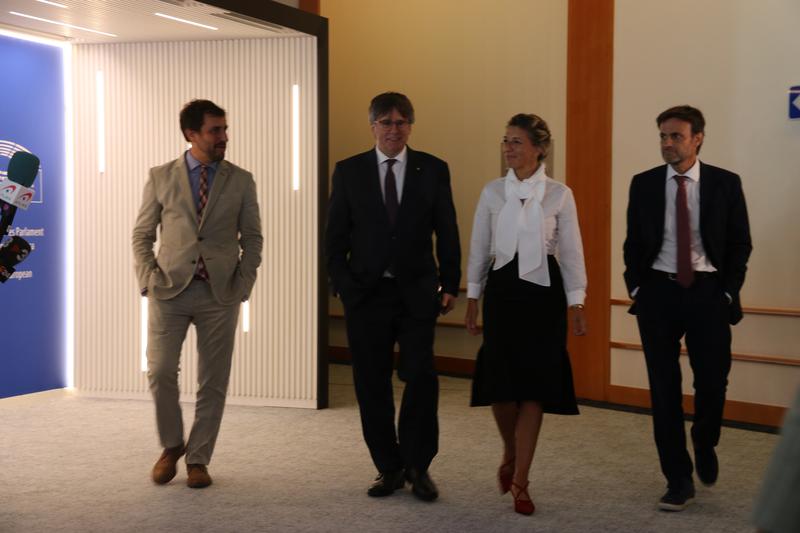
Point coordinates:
pixel 15 192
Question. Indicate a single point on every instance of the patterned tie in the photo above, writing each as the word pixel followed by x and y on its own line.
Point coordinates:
pixel 390 197
pixel 684 234
pixel 202 200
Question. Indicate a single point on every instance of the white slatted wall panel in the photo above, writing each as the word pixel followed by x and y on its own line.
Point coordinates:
pixel 146 84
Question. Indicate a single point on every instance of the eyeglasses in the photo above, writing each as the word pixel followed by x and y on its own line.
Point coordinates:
pixel 387 123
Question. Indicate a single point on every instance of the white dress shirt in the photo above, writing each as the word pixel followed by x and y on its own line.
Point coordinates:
pixel 667 260
pixel 399 170
pixel 556 229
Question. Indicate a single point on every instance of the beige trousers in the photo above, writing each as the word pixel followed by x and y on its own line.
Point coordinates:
pixel 168 323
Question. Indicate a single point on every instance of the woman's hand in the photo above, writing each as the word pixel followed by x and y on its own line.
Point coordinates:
pixel 578 320
pixel 471 317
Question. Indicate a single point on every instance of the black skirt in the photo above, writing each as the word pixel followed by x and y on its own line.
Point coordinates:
pixel 524 353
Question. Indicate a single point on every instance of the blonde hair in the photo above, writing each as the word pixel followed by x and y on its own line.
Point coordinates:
pixel 536 128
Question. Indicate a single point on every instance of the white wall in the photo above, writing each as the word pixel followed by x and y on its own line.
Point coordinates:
pixel 467 66
pixel 735 60
pixel 146 86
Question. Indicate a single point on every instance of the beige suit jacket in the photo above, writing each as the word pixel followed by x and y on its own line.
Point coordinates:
pixel 228 237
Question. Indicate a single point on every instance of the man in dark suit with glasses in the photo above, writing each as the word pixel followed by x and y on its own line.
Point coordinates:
pixel 386 204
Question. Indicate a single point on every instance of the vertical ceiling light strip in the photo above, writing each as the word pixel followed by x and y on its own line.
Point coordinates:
pixel 295 137
pixel 143 333
pixel 101 121
pixel 69 222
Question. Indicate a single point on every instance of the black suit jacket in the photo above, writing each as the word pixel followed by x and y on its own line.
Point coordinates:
pixel 724 228
pixel 360 245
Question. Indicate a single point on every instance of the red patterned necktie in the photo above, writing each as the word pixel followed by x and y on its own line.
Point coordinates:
pixel 202 200
pixel 684 234
pixel 390 196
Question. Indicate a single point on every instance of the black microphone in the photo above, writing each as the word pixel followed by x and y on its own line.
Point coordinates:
pixel 15 192
pixel 12 253
pixel 22 170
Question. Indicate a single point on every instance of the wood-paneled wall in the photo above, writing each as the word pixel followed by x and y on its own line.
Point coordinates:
pixel 590 57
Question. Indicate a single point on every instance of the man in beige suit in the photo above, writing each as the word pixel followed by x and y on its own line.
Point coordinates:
pixel 210 247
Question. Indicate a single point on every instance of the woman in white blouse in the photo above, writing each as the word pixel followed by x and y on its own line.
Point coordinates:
pixel 522 222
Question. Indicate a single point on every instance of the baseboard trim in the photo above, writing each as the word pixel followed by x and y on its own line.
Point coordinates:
pixel 737 414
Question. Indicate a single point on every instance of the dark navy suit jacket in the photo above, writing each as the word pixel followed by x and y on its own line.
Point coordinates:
pixel 361 246
pixel 724 228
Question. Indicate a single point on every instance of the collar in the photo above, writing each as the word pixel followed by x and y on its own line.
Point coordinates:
pixel 193 163
pixel 539 175
pixel 693 173
pixel 401 157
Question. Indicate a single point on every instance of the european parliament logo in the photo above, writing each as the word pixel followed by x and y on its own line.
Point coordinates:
pixel 7 150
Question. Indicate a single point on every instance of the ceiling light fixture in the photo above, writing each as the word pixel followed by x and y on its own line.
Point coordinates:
pixel 62 6
pixel 250 21
pixel 60 23
pixel 162 15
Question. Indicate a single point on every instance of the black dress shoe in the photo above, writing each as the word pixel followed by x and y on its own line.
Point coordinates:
pixel 386 483
pixel 707 465
pixel 677 497
pixel 421 485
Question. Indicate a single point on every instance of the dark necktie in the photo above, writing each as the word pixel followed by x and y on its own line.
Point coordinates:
pixel 202 200
pixel 390 196
pixel 202 193
pixel 684 234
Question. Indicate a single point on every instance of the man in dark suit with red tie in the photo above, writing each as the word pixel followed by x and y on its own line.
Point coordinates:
pixel 686 251
pixel 385 206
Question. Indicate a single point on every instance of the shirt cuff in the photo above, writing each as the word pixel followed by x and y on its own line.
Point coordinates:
pixel 634 291
pixel 576 297
pixel 474 290
pixel 729 297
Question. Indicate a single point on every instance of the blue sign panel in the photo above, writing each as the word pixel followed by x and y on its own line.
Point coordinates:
pixel 32 302
pixel 794 102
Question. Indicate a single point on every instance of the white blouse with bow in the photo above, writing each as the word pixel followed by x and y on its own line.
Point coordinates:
pixel 531 218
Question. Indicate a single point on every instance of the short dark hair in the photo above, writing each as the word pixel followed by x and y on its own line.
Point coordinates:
pixel 194 114
pixel 686 113
pixel 385 102
pixel 536 128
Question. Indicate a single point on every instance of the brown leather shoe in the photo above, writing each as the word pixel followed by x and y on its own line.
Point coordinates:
pixel 165 468
pixel 198 476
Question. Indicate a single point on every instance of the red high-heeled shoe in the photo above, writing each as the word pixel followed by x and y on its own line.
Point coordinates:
pixel 521 506
pixel 505 475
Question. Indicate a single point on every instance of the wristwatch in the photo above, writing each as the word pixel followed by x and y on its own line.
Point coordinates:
pixel 576 306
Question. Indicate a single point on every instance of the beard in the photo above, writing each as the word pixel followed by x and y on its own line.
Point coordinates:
pixel 217 152
pixel 670 156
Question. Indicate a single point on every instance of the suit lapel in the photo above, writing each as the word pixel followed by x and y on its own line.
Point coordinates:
pixel 372 183
pixel 180 174
pixel 411 184
pixel 706 195
pixel 220 179
pixel 658 199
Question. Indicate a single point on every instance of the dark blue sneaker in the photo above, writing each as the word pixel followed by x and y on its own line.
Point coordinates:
pixel 677 498
pixel 706 465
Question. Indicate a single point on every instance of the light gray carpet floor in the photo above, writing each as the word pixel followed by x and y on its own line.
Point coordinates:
pixel 71 463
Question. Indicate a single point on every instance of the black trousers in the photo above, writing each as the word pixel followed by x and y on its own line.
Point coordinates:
pixel 373 327
pixel 665 313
